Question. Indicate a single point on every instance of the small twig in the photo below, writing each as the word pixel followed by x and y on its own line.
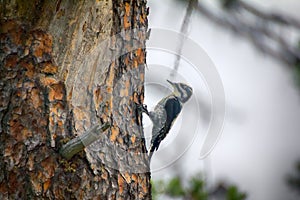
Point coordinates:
pixel 275 17
pixel 79 143
pixel 264 39
pixel 183 31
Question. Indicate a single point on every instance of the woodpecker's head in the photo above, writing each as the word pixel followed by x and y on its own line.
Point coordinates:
pixel 182 91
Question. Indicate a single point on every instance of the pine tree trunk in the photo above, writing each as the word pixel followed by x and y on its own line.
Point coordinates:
pixel 64 68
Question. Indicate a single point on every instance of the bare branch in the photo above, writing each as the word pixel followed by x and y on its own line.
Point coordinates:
pixel 262 36
pixel 274 17
pixel 183 31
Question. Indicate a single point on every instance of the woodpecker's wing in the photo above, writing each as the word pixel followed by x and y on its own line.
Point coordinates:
pixel 172 108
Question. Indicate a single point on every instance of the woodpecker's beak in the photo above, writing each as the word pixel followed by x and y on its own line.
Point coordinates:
pixel 170 82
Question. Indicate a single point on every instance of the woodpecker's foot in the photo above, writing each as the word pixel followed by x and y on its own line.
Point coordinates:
pixel 142 108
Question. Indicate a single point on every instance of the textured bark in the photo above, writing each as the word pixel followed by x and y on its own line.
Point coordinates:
pixel 65 68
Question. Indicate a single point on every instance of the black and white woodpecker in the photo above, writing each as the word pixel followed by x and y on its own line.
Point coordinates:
pixel 166 112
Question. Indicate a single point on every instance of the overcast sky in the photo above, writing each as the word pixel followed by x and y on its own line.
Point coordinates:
pixel 260 141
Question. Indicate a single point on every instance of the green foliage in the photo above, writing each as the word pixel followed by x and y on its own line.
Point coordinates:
pixel 157 188
pixel 234 194
pixel 174 188
pixel 194 190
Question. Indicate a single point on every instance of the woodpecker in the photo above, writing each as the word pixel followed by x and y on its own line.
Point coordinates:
pixel 166 112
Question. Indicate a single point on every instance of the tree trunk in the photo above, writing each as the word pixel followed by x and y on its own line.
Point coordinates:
pixel 64 69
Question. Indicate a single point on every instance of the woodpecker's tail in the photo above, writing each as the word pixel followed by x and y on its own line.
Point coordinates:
pixel 155 141
pixel 150 155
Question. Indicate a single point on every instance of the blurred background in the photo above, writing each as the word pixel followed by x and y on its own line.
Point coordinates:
pixel 254 45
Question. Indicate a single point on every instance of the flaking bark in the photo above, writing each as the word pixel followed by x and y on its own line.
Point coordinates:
pixel 56 82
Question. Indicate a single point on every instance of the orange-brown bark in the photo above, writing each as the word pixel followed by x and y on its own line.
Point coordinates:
pixel 56 82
